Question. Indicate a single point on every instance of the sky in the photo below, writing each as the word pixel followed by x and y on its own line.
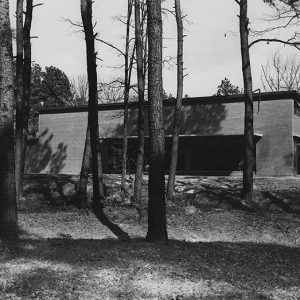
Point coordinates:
pixel 211 45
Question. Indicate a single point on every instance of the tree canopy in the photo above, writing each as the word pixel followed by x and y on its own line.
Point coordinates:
pixel 54 87
pixel 227 88
pixel 49 88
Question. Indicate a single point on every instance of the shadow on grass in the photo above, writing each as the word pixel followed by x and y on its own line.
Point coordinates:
pixel 48 190
pixel 54 191
pixel 242 266
pixel 43 283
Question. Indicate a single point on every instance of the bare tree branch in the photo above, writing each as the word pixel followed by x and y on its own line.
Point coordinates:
pixel 111 45
pixel 275 40
pixel 278 75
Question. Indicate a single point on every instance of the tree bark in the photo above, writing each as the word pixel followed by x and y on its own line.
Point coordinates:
pixel 19 100
pixel 86 14
pixel 177 113
pixel 141 94
pixel 126 97
pixel 8 205
pixel 81 199
pixel 248 98
pixel 157 228
pixel 27 76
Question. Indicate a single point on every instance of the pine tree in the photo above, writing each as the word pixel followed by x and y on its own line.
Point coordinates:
pixel 8 206
pixel 157 228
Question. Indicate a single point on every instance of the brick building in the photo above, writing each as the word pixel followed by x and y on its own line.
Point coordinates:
pixel 211 136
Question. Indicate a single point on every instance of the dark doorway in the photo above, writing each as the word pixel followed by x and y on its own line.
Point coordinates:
pixel 297 156
pixel 209 155
pixel 215 154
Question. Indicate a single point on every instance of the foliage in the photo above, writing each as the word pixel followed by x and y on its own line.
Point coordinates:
pixel 55 89
pixel 227 88
pixel 49 88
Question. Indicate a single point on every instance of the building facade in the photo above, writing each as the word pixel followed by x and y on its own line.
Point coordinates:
pixel 211 136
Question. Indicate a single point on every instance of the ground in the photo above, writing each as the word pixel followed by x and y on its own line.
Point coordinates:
pixel 218 248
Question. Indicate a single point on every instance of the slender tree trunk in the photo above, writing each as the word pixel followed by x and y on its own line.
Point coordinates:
pixel 81 199
pixel 141 93
pixel 19 100
pixel 100 170
pixel 86 14
pixel 157 228
pixel 8 205
pixel 126 97
pixel 177 113
pixel 26 77
pixel 248 94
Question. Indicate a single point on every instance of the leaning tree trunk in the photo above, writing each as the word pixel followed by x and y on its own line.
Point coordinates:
pixel 141 93
pixel 177 113
pixel 86 14
pixel 157 228
pixel 8 205
pixel 19 100
pixel 248 98
pixel 126 98
pixel 26 77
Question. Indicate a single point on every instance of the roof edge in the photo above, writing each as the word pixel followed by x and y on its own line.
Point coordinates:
pixel 266 96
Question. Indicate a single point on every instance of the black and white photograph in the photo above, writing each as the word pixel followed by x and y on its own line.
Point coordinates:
pixel 150 149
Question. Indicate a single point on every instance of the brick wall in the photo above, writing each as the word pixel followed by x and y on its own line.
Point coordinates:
pixel 60 146
pixel 274 151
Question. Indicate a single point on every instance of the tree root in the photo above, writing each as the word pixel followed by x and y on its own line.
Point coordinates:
pixel 285 207
pixel 114 228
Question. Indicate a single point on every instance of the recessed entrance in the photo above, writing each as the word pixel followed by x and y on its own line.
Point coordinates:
pixel 297 156
pixel 207 155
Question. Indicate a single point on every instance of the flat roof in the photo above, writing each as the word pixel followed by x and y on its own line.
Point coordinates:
pixel 267 96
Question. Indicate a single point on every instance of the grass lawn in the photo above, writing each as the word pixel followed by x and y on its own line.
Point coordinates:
pixel 217 250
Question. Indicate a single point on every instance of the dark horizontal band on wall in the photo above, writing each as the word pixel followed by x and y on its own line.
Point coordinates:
pixel 257 136
pixel 186 101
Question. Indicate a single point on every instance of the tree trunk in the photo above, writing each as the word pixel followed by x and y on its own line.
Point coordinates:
pixel 8 205
pixel 26 77
pixel 125 141
pixel 157 228
pixel 19 100
pixel 100 170
pixel 126 97
pixel 86 14
pixel 141 94
pixel 81 199
pixel 177 113
pixel 248 94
